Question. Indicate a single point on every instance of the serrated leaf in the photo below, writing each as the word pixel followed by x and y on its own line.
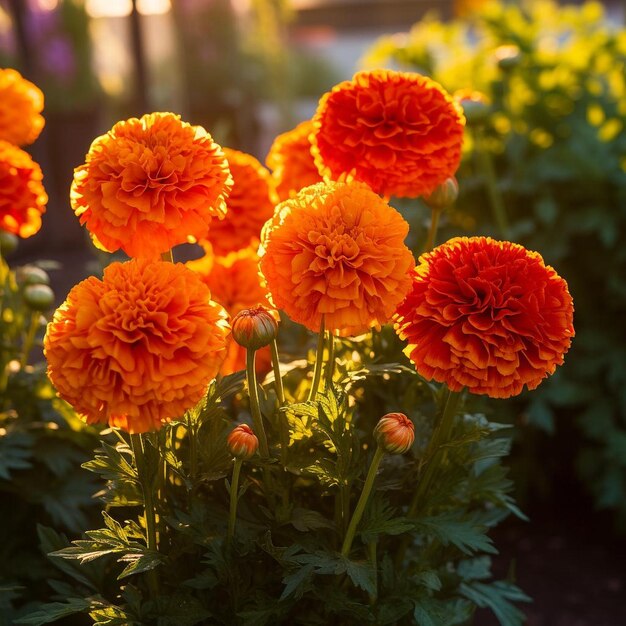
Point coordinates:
pixel 307 519
pixel 497 597
pixel 55 610
pixel 362 575
pixel 453 528
pixel 296 582
pixel 433 612
pixel 138 563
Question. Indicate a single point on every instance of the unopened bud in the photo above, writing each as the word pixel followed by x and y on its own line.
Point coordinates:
pixel 395 433
pixel 443 196
pixel 255 327
pixel 8 242
pixel 31 275
pixel 38 297
pixel 508 57
pixel 242 442
pixel 475 106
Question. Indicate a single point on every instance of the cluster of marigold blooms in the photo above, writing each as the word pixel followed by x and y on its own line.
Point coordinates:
pixel 316 238
pixel 22 195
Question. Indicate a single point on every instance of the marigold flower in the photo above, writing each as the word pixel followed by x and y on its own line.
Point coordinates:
pixel 242 442
pixel 336 249
pixel 487 315
pixel 399 132
pixel 291 161
pixel 235 283
pixel 138 347
pixel 22 196
pixel 250 204
pixel 395 433
pixel 21 103
pixel 150 184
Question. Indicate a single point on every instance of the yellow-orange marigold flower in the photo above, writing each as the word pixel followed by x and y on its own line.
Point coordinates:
pixel 487 315
pixel 150 184
pixel 22 196
pixel 21 103
pixel 138 347
pixel 250 204
pixel 291 161
pixel 235 283
pixel 336 249
pixel 399 132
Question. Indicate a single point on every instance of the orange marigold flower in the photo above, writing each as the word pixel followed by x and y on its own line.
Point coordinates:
pixel 235 283
pixel 487 315
pixel 22 196
pixel 250 204
pixel 138 347
pixel 255 328
pixel 150 184
pixel 21 104
pixel 399 132
pixel 336 249
pixel 291 161
pixel 242 442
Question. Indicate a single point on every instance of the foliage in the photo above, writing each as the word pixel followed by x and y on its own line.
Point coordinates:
pixel 429 566
pixel 42 444
pixel 555 79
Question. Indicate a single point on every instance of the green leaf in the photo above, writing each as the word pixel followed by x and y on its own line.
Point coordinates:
pixel 463 532
pixel 138 563
pixel 362 575
pixel 497 596
pixel 430 611
pixel 15 452
pixel 307 519
pixel 297 582
pixel 54 611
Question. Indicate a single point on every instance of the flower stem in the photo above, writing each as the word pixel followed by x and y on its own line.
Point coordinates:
pixel 257 418
pixel 489 172
pixel 360 506
pixel 137 443
pixel 29 340
pixel 278 380
pixel 435 452
pixel 432 230
pixel 371 550
pixel 330 366
pixel 234 491
pixel 319 360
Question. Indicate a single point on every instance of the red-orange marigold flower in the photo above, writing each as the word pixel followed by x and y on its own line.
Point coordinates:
pixel 487 315
pixel 22 196
pixel 291 161
pixel 150 184
pixel 21 104
pixel 336 249
pixel 138 347
pixel 250 204
pixel 399 132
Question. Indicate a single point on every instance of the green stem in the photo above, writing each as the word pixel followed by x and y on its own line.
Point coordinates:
pixel 330 366
pixel 167 256
pixel 146 482
pixel 278 380
pixel 371 550
pixel 360 506
pixel 29 340
pixel 495 197
pixel 193 449
pixel 435 453
pixel 257 419
pixel 432 230
pixel 319 361
pixel 234 491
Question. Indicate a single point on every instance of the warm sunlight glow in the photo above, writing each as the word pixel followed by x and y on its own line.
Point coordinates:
pixel 123 8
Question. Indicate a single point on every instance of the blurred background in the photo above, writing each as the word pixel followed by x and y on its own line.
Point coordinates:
pixel 554 80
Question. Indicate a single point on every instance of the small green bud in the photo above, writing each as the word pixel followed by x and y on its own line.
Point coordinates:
pixel 508 57
pixel 475 106
pixel 8 242
pixel 31 275
pixel 443 196
pixel 38 297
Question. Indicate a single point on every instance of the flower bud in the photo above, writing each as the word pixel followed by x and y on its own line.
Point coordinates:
pixel 443 196
pixel 395 433
pixel 38 297
pixel 475 106
pixel 508 57
pixel 8 242
pixel 31 275
pixel 255 327
pixel 242 442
